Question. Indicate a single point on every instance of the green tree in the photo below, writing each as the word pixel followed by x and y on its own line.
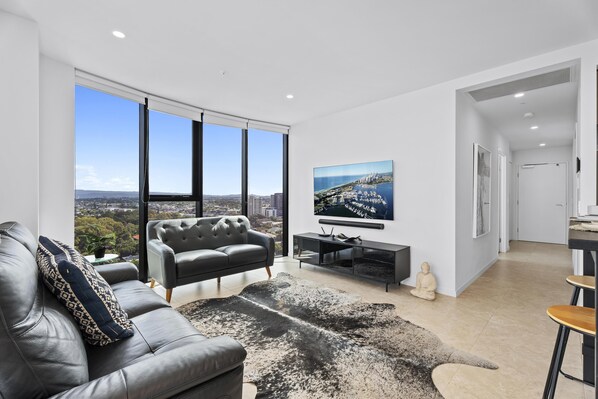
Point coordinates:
pixel 125 245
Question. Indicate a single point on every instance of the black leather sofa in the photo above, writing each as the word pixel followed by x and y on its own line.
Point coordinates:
pixel 183 251
pixel 42 353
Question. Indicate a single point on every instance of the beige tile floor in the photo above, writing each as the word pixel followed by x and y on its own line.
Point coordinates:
pixel 501 317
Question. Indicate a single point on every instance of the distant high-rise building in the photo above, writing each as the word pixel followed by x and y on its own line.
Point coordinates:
pixel 254 205
pixel 276 202
pixel 270 212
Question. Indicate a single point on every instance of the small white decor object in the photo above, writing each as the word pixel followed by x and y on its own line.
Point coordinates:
pixel 593 226
pixel 425 284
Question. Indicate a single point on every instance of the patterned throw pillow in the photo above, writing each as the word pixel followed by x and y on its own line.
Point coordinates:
pixel 85 293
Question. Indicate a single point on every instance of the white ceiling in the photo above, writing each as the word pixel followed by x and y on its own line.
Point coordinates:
pixel 555 113
pixel 332 54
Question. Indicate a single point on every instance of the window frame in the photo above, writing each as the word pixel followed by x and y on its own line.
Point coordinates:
pixel 243 167
pixel 196 167
pixel 197 184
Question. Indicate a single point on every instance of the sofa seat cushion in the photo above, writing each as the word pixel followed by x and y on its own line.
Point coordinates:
pixel 81 289
pixel 157 331
pixel 244 254
pixel 191 263
pixel 135 298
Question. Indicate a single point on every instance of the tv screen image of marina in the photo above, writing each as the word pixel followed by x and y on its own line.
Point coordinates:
pixel 361 190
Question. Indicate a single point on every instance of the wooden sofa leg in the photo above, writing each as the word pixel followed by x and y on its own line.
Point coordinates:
pixel 152 283
pixel 218 279
pixel 168 294
pixel 268 271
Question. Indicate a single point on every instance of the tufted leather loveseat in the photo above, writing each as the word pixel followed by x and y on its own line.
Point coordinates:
pixel 183 251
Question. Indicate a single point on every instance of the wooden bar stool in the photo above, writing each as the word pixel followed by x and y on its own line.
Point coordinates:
pixel 569 317
pixel 579 282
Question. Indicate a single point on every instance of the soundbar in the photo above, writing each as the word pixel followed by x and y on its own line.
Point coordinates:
pixel 365 225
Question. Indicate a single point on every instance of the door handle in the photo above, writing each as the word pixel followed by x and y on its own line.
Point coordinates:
pixel 559 205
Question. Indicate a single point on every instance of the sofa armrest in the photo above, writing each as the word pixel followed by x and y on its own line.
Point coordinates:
pixel 161 263
pixel 116 272
pixel 257 238
pixel 165 374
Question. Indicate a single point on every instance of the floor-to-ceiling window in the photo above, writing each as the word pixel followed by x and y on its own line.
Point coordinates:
pixel 107 172
pixel 137 162
pixel 265 202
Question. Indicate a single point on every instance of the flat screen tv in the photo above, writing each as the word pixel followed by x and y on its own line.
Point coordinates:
pixel 360 190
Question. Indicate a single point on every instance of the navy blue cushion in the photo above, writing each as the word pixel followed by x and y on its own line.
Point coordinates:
pixel 86 295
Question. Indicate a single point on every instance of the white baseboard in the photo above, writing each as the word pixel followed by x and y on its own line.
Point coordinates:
pixel 476 276
pixel 410 282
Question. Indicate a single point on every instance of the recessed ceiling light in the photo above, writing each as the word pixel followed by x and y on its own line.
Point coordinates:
pixel 534 127
pixel 542 144
pixel 118 34
pixel 290 96
pixel 519 95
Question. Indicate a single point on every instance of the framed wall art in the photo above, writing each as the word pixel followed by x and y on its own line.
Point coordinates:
pixel 482 165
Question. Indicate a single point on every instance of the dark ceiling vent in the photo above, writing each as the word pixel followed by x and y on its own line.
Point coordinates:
pixel 522 85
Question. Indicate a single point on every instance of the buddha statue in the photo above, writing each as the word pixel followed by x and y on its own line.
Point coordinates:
pixel 425 284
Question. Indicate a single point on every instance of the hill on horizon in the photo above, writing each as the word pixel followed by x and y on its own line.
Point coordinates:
pixel 92 194
pixel 88 194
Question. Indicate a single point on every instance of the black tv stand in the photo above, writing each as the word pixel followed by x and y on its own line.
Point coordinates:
pixel 378 261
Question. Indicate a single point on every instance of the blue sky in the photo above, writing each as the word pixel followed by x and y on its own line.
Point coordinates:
pixel 355 169
pixel 107 151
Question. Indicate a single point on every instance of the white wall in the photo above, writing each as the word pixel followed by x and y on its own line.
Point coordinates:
pixel 424 158
pixel 542 155
pixel 475 255
pixel 57 150
pixel 418 131
pixel 19 103
pixel 36 133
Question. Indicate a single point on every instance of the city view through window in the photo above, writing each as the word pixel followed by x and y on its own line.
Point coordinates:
pixel 222 169
pixel 265 200
pixel 107 173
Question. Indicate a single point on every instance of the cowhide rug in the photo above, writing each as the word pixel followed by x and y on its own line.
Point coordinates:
pixel 308 341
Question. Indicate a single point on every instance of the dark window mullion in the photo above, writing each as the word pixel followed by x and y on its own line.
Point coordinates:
pixel 244 171
pixel 174 198
pixel 285 195
pixel 143 187
pixel 194 160
pixel 198 166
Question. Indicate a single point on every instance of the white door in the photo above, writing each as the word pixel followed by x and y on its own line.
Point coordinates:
pixel 543 203
pixel 503 241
